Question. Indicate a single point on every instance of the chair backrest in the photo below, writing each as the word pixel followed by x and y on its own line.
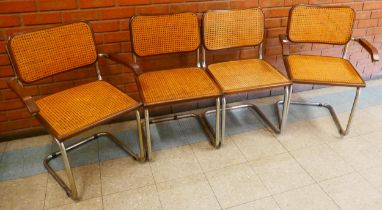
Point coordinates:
pixel 43 53
pixel 164 34
pixel 327 25
pixel 233 28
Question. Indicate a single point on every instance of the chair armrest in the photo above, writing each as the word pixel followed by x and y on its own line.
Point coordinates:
pixel 284 43
pixel 27 99
pixel 370 48
pixel 133 66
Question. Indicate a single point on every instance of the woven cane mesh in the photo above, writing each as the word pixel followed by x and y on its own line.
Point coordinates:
pixel 323 70
pixel 79 107
pixel 245 75
pixel 46 52
pixel 227 29
pixel 176 85
pixel 330 25
pixel 154 35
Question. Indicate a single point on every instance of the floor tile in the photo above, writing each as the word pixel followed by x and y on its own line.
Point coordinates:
pixel 124 174
pixel 24 193
pixel 211 158
pixel 192 192
pixel 373 176
pixel 295 136
pixel 258 144
pixel 24 162
pixel 321 162
pixel 353 192
pixel 174 163
pixel 141 198
pixel 359 153
pixel 281 173
pixel 310 197
pixel 3 146
pixel 29 142
pixel 91 204
pixel 235 185
pixel 88 184
pixel 262 204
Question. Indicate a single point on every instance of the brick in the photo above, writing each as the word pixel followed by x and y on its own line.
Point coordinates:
pixel 9 20
pixel 295 2
pixel 273 3
pixel 109 48
pixel 190 7
pixel 376 14
pixel 152 10
pixel 368 23
pixel 54 87
pixel 82 15
pixel 14 125
pixel 96 3
pixel 11 104
pixel 166 1
pixel 42 18
pixel 2 47
pixel 372 5
pixel 121 36
pixel 133 2
pixel 363 15
pixel 203 7
pixel 320 1
pixel 115 13
pixel 105 26
pixel 6 71
pixel 276 12
pixel 273 23
pixel 18 114
pixel 4 60
pixel 243 4
pixel 3 117
pixel 45 5
pixel 17 6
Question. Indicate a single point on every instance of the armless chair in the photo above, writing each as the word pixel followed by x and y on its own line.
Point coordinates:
pixel 167 34
pixel 242 28
pixel 326 25
pixel 41 54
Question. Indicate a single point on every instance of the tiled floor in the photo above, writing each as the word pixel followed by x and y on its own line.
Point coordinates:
pixel 309 166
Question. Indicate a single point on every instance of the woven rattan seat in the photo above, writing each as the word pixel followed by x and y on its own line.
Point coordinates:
pixel 174 85
pixel 82 106
pixel 323 70
pixel 246 75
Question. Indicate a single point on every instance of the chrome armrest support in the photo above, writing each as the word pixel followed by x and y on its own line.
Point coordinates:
pixel 285 44
pixel 135 67
pixel 26 98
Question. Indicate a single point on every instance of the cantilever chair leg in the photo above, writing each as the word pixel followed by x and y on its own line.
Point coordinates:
pixel 277 129
pixel 214 137
pixel 71 190
pixel 330 108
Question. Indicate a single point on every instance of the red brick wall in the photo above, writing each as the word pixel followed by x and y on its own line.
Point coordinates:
pixel 109 19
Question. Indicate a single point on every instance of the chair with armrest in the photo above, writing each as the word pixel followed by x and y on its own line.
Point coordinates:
pixel 225 29
pixel 170 34
pixel 325 25
pixel 41 54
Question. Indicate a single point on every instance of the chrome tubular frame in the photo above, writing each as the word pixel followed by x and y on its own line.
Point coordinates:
pixel 71 190
pixel 330 108
pixel 277 129
pixel 214 137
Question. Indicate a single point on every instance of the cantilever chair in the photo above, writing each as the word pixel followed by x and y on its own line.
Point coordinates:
pixel 166 34
pixel 326 25
pixel 242 28
pixel 41 54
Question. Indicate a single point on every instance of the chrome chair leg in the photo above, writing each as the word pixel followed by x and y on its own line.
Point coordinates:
pixel 73 189
pixel 140 136
pixel 224 106
pixel 148 135
pixel 287 97
pixel 330 108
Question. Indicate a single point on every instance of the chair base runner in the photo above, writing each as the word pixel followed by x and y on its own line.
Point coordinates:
pixel 214 137
pixel 330 108
pixel 256 109
pixel 72 191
